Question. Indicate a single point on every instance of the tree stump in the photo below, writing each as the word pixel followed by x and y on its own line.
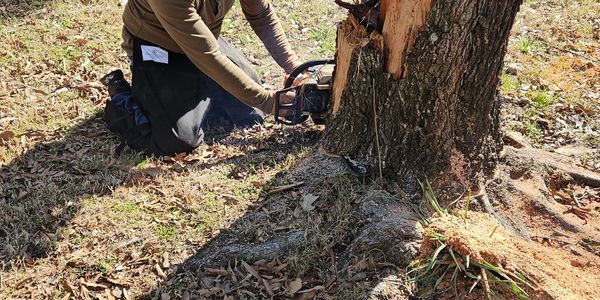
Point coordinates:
pixel 421 95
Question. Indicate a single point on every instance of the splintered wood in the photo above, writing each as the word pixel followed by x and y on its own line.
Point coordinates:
pixel 402 21
pixel 350 36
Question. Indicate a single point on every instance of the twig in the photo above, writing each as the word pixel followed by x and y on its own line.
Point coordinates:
pixel 284 188
pixel 486 284
pixel 377 133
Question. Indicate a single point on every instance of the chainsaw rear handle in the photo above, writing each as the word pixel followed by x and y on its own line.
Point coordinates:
pixel 295 115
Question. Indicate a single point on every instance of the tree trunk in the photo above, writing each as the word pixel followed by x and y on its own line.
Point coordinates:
pixel 422 95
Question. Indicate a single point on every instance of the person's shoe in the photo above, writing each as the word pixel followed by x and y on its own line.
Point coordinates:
pixel 116 83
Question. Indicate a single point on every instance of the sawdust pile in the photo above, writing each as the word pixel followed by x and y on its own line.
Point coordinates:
pixel 554 272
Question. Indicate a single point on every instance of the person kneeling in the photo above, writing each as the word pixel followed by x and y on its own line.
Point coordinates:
pixel 184 73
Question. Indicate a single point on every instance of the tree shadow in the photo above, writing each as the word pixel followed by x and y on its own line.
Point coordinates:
pixel 19 8
pixel 43 189
pixel 330 243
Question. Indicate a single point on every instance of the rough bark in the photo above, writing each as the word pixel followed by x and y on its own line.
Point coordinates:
pixel 443 115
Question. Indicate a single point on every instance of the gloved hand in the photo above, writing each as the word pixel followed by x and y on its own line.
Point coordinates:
pixel 286 98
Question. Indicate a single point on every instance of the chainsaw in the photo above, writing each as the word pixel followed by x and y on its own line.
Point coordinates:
pixel 311 82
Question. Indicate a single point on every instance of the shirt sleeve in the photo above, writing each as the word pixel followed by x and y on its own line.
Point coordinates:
pixel 185 26
pixel 266 25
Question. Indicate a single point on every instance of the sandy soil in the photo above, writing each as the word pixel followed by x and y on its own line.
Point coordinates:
pixel 551 270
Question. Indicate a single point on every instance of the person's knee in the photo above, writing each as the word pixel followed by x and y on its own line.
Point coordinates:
pixel 189 126
pixel 193 135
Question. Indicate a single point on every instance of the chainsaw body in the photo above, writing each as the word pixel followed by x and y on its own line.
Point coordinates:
pixel 311 82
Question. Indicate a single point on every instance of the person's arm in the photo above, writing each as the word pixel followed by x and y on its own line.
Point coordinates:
pixel 264 22
pixel 182 22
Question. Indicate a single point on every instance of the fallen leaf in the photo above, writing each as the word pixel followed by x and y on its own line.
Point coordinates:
pixel 295 286
pixel 6 136
pixel 93 285
pixel 186 296
pixel 109 294
pixel 119 282
pixel 22 195
pixel 117 293
pixel 210 292
pixel 165 263
pixel 81 42
pixel 316 288
pixel 268 287
pixel 126 295
pixel 230 200
pixel 307 202
pixel 251 270
pixel 70 289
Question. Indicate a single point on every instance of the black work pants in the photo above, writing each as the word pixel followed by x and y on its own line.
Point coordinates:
pixel 177 98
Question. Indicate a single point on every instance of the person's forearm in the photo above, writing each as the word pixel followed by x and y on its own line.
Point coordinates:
pixel 190 33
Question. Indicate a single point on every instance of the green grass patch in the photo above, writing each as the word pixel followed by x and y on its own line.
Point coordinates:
pixel 104 266
pixel 528 46
pixel 534 132
pixel 166 232
pixel 129 208
pixel 324 35
pixel 540 99
pixel 446 264
pixel 510 84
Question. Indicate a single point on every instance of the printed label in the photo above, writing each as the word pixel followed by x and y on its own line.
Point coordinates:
pixel 155 54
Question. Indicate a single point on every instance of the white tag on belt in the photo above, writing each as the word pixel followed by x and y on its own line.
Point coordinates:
pixel 156 54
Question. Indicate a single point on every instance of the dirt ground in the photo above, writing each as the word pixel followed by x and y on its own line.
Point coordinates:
pixel 77 221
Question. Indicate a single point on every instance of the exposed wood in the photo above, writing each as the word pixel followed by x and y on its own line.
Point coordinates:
pixel 404 19
pixel 350 36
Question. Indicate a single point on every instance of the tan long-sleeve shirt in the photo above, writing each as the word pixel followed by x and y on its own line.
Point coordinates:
pixel 192 26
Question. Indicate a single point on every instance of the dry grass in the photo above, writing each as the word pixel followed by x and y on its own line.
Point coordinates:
pixel 73 217
pixel 72 211
pixel 555 99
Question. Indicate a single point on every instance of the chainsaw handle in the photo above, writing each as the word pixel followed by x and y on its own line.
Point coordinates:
pixel 301 68
pixel 297 115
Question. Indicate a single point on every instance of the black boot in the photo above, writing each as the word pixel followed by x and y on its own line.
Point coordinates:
pixel 116 83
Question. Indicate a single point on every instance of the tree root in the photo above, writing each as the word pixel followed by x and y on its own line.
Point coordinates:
pixel 392 234
pixel 553 161
pixel 217 255
pixel 522 197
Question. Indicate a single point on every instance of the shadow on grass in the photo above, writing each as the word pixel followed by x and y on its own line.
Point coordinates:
pixel 282 239
pixel 43 189
pixel 19 8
